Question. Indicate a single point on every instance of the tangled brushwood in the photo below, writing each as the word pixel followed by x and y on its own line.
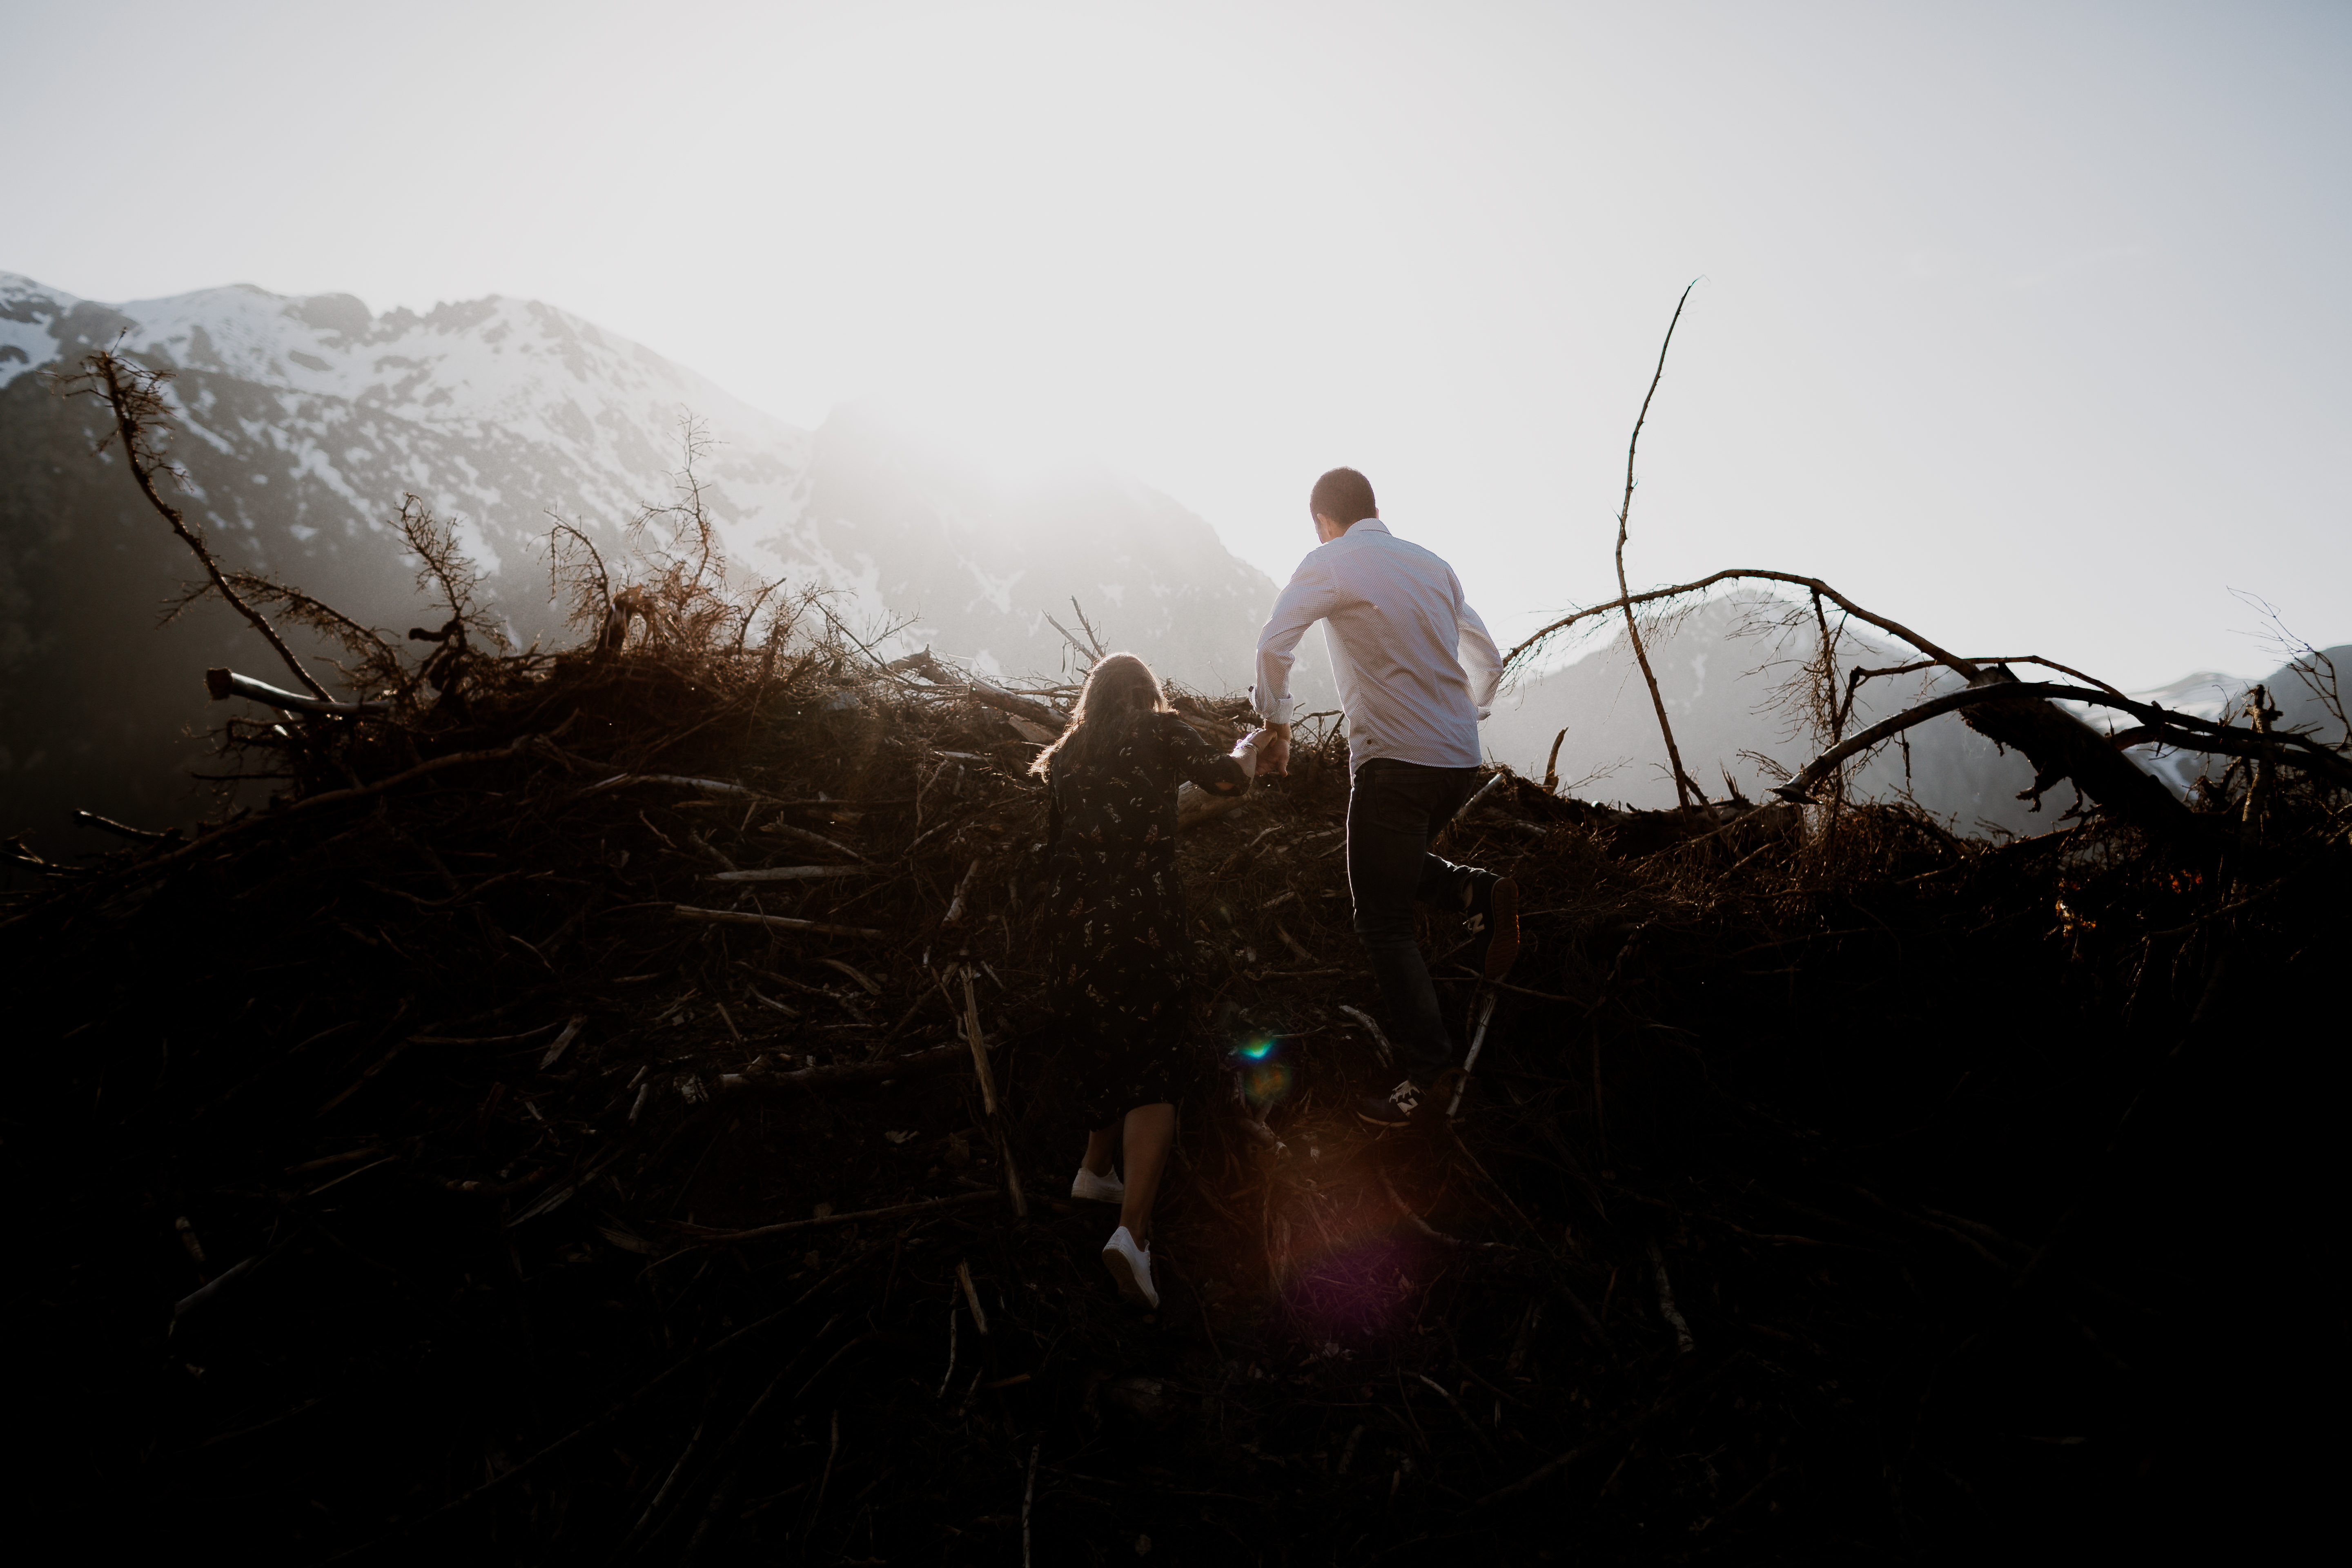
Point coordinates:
pixel 604 1109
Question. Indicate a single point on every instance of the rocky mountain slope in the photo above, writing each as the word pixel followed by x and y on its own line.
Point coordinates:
pixel 1718 671
pixel 304 421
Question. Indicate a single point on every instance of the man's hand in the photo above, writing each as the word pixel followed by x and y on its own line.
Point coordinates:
pixel 1273 749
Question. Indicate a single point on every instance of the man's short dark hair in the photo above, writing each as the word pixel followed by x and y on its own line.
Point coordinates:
pixel 1345 497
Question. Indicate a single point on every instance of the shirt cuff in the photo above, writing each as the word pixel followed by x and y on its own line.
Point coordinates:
pixel 1277 712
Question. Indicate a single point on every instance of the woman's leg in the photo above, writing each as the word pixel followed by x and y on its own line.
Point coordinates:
pixel 1151 1132
pixel 1102 1143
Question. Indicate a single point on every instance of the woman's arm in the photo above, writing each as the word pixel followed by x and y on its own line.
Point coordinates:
pixel 1219 773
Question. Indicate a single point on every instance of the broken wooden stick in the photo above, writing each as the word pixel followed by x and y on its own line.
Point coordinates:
pixel 775 922
pixel 819 839
pixel 556 1048
pixel 979 1047
pixel 788 873
pixel 1666 1307
pixel 1387 1055
pixel 950 1374
pixel 954 917
pixel 971 1296
pixel 1477 1040
pixel 223 684
pixel 705 1234
pixel 988 1097
pixel 707 787
pixel 1686 792
pixel 214 1287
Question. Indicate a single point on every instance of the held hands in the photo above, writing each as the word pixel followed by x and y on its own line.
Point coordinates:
pixel 1268 748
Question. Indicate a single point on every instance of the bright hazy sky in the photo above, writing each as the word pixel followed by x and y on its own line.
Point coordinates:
pixel 2026 324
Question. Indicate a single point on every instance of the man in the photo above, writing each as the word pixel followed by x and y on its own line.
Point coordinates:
pixel 1416 671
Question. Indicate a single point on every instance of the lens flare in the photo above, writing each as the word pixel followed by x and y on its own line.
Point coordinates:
pixel 1256 1053
pixel 1344 1269
pixel 1267 1084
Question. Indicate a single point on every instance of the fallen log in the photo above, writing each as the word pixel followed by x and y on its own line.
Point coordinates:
pixel 1019 707
pixel 2060 746
pixel 2021 713
pixel 224 684
pixel 979 690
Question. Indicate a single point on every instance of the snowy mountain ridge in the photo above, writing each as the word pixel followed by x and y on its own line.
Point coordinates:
pixel 496 411
pixel 370 407
pixel 302 422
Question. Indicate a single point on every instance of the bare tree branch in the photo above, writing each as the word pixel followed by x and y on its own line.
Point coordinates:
pixel 134 395
pixel 2161 726
pixel 1685 791
pixel 1517 657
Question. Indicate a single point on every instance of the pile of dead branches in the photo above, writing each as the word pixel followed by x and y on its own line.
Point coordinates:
pixel 605 1108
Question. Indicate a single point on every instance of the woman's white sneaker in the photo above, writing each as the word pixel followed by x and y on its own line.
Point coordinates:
pixel 1104 1189
pixel 1130 1268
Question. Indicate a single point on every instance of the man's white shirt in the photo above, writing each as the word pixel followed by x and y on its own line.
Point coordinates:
pixel 1415 666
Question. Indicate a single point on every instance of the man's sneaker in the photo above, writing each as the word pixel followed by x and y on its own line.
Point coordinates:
pixel 1397 1108
pixel 1130 1268
pixel 1494 914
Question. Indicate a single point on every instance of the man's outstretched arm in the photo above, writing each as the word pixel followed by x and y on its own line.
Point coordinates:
pixel 1307 599
pixel 1481 662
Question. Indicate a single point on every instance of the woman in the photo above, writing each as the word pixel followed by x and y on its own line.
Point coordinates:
pixel 1116 944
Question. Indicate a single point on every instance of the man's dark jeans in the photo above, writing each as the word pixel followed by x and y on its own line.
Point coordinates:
pixel 1394 810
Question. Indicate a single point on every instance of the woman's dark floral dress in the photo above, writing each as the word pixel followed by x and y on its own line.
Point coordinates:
pixel 1116 942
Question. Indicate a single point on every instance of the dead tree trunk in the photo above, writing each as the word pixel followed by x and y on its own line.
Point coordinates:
pixel 2060 746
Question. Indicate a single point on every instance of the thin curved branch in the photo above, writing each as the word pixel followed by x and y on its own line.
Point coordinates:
pixel 1968 670
pixel 1686 794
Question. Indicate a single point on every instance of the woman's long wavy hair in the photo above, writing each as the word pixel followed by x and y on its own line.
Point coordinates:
pixel 1119 690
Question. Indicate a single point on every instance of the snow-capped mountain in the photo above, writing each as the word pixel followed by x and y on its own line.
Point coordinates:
pixel 493 411
pixel 499 411
pixel 1718 669
pixel 303 421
